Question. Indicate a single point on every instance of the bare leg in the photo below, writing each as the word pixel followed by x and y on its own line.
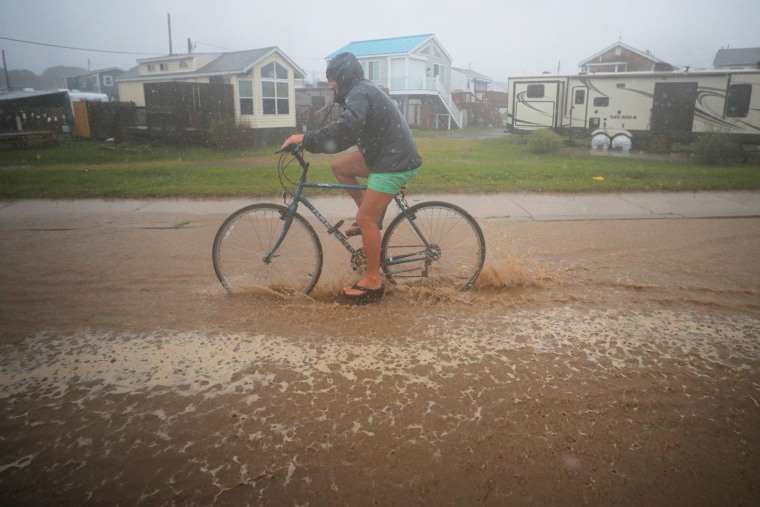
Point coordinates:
pixel 347 169
pixel 370 209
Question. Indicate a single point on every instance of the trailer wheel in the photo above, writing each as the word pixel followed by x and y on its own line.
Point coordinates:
pixel 600 142
pixel 621 142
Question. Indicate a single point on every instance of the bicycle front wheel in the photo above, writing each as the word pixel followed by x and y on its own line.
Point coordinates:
pixel 453 256
pixel 248 236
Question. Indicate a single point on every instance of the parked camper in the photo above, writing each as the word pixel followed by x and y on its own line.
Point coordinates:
pixel 616 109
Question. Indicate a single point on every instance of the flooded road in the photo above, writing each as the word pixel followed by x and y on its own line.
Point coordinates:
pixel 595 361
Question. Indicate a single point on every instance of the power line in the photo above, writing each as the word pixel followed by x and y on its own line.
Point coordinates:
pixel 211 45
pixel 79 49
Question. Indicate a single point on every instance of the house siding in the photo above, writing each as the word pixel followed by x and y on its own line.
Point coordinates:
pixel 132 90
pixel 260 120
pixel 431 60
pixel 622 58
pixel 633 62
pixel 408 71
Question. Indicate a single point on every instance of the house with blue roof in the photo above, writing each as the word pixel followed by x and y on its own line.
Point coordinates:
pixel 416 71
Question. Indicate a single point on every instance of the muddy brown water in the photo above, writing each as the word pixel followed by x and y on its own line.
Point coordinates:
pixel 595 362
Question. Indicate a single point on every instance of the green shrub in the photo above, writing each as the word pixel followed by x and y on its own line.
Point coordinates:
pixel 714 149
pixel 545 141
pixel 659 144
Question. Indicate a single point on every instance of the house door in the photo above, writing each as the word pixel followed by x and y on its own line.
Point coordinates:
pixel 414 112
pixel 398 74
pixel 438 73
pixel 578 106
pixel 673 107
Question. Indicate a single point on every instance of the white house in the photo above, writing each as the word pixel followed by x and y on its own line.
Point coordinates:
pixel 469 81
pixel 416 71
pixel 263 82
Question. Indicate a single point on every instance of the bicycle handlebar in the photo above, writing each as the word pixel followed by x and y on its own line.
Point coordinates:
pixel 291 148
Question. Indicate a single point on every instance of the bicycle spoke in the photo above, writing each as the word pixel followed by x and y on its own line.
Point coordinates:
pixel 455 247
pixel 248 236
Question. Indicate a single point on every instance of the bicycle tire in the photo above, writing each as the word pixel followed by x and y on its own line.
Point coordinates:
pixel 452 232
pixel 249 234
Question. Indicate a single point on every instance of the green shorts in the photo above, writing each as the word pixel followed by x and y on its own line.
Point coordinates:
pixel 390 183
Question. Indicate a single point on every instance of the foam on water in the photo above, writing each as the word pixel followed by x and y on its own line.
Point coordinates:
pixel 189 363
pixel 217 411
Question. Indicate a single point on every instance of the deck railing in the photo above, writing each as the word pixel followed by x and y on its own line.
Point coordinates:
pixel 427 85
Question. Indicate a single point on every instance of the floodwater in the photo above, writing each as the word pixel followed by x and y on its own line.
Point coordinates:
pixel 595 362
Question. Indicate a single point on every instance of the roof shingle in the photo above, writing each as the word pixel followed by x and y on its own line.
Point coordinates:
pixel 737 56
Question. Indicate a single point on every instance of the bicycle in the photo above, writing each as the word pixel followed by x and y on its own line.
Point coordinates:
pixel 431 244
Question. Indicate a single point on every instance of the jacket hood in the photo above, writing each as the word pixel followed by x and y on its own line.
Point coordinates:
pixel 345 70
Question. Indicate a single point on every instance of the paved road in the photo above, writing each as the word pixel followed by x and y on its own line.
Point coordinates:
pixel 593 357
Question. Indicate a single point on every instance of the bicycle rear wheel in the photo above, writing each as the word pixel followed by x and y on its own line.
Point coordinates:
pixel 455 254
pixel 249 234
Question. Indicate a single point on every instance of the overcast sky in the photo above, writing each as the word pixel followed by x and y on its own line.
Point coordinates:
pixel 499 38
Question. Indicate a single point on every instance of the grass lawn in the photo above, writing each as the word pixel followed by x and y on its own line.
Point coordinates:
pixel 87 169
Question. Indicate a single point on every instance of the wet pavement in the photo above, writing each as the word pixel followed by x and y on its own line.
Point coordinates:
pixel 609 354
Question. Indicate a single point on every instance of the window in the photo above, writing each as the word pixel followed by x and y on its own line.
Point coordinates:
pixel 151 67
pixel 183 64
pixel 371 70
pixel 275 97
pixel 274 71
pixel 431 50
pixel 737 100
pixel 535 91
pixel 275 89
pixel 245 96
pixel 107 80
pixel 164 66
pixel 601 101
pixel 580 96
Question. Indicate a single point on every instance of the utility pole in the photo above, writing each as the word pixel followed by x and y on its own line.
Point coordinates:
pixel 169 22
pixel 189 46
pixel 7 78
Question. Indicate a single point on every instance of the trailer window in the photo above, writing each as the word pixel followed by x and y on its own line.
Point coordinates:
pixel 580 96
pixel 535 91
pixel 601 101
pixel 737 100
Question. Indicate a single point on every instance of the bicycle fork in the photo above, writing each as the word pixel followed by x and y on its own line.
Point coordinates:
pixel 287 218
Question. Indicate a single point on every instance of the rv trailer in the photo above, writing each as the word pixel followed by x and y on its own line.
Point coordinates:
pixel 618 109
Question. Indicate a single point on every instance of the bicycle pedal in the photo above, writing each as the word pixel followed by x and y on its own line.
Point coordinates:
pixel 335 227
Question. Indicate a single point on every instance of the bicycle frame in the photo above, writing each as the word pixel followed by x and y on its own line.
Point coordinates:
pixel 429 253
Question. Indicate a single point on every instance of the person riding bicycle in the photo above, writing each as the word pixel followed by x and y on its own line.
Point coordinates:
pixel 387 156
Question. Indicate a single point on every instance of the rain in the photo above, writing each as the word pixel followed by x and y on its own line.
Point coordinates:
pixel 608 353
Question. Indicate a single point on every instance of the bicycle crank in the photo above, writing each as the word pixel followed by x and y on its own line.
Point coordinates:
pixel 359 261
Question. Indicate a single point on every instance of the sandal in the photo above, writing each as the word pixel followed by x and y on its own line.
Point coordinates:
pixel 366 295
